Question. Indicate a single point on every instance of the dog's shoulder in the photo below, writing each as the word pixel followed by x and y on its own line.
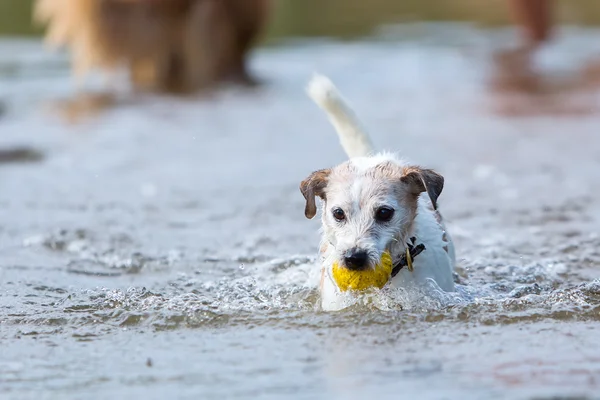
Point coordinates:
pixel 430 228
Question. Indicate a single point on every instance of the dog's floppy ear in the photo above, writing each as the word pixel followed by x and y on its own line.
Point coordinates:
pixel 424 180
pixel 313 186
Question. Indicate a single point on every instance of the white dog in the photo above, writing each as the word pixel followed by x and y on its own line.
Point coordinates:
pixel 375 203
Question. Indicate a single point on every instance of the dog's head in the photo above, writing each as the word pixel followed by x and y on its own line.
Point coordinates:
pixel 369 205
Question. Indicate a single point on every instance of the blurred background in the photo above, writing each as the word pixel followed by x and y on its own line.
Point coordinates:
pixel 169 48
pixel 348 19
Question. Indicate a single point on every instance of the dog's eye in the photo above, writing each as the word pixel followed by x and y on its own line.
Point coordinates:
pixel 384 214
pixel 339 214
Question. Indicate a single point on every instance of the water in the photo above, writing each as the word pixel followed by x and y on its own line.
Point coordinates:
pixel 160 249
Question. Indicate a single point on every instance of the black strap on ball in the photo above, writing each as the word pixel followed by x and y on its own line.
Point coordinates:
pixel 412 252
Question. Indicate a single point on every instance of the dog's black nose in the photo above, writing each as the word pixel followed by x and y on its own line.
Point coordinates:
pixel 356 259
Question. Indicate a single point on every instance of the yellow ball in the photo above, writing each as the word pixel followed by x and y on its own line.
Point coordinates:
pixel 361 280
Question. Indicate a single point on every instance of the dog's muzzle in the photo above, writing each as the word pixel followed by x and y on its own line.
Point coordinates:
pixel 356 259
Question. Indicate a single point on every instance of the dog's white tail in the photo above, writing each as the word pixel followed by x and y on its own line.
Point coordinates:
pixel 353 136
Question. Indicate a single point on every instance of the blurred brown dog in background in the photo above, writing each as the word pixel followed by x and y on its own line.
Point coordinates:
pixel 172 46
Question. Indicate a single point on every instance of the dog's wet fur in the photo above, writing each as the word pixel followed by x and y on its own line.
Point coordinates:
pixel 360 188
pixel 374 203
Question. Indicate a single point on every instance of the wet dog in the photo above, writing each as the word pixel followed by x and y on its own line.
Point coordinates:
pixel 372 204
pixel 172 46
